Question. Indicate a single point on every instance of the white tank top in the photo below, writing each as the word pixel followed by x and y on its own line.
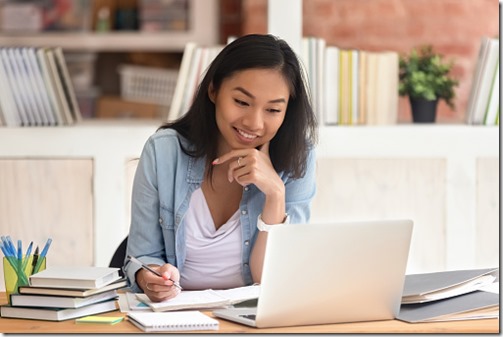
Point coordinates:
pixel 214 257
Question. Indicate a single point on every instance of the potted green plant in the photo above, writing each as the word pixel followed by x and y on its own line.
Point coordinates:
pixel 425 78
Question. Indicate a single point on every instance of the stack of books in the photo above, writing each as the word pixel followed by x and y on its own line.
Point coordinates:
pixel 483 104
pixel 36 88
pixel 351 86
pixel 61 293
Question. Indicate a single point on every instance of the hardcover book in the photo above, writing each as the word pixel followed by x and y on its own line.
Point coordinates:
pixel 72 292
pixel 20 300
pixel 56 314
pixel 75 277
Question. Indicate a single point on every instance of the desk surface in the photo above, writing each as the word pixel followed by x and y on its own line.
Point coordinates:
pixel 10 325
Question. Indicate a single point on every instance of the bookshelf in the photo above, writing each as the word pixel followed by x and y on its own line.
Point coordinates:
pixel 366 166
pixel 203 20
pixel 104 52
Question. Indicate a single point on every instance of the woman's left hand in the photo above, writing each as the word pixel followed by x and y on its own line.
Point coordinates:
pixel 252 166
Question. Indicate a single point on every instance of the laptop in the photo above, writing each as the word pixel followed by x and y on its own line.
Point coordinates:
pixel 329 273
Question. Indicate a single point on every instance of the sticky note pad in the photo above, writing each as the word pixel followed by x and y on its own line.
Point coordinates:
pixel 100 319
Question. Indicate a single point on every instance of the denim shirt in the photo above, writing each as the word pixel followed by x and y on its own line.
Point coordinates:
pixel 164 181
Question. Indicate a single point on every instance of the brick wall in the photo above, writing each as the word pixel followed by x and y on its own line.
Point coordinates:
pixel 453 27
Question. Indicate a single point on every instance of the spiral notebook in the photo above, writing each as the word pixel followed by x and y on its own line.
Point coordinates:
pixel 172 321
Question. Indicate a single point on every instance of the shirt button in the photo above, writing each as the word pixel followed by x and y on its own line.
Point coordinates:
pixel 160 220
pixel 247 242
pixel 244 212
pixel 246 188
pixel 246 265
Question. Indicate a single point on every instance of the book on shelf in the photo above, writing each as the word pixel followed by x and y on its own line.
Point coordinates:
pixel 483 78
pixel 10 114
pixel 492 109
pixel 176 102
pixel 56 314
pixel 25 300
pixel 172 321
pixel 351 86
pixel 387 88
pixel 203 299
pixel 12 86
pixel 38 86
pixel 427 287
pixel 35 88
pixel 195 61
pixel 362 80
pixel 58 86
pixel 320 46
pixel 23 85
pixel 50 84
pixel 345 87
pixel 331 98
pixel 66 84
pixel 72 292
pixel 82 277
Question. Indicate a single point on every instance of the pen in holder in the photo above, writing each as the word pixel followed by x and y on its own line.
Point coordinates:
pixel 17 272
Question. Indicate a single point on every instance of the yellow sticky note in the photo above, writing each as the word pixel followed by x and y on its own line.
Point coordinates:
pixel 100 319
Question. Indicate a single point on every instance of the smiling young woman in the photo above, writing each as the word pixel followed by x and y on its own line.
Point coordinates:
pixel 209 185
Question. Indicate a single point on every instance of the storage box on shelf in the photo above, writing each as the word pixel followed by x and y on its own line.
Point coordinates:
pixel 147 84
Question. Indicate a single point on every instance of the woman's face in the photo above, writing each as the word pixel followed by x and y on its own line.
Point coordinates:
pixel 250 107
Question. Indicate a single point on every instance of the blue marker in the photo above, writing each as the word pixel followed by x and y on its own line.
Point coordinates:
pixel 5 247
pixel 9 246
pixel 5 251
pixel 46 248
pixel 19 255
pixel 19 250
pixel 28 251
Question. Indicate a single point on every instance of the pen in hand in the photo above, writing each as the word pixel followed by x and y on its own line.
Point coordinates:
pixel 144 266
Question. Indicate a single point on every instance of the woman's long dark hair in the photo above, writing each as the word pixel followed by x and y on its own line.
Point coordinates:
pixel 289 147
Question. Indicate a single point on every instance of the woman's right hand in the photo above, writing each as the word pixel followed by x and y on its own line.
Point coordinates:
pixel 159 288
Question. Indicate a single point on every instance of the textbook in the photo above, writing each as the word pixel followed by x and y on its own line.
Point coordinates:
pixel 81 277
pixel 172 321
pixel 24 300
pixel 475 305
pixel 56 314
pixel 203 299
pixel 72 292
pixel 422 288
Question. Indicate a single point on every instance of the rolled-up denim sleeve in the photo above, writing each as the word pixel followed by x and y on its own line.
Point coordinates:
pixel 145 240
pixel 300 192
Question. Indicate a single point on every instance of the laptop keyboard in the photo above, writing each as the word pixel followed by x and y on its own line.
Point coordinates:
pixel 250 316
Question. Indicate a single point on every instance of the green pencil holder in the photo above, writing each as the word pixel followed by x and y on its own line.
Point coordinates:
pixel 12 279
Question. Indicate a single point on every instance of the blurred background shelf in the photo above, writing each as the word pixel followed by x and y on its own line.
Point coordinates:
pixel 113 41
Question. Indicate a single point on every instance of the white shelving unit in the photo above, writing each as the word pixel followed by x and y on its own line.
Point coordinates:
pixel 111 145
